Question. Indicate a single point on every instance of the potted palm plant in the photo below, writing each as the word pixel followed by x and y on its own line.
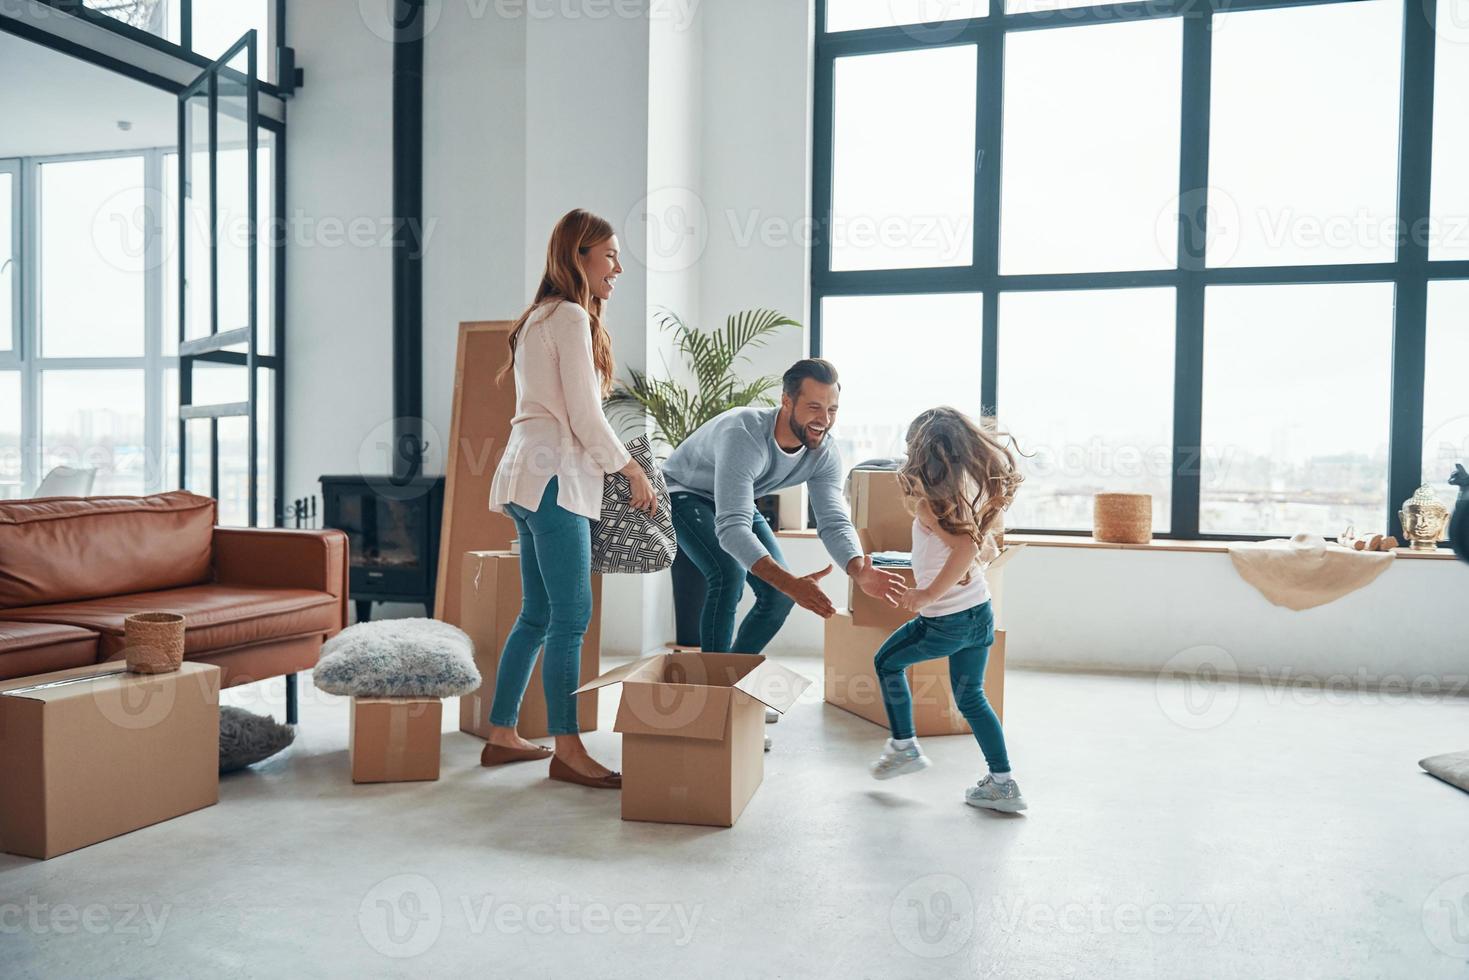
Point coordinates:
pixel 675 409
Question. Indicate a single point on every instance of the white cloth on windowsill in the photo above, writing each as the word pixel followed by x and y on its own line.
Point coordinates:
pixel 1306 571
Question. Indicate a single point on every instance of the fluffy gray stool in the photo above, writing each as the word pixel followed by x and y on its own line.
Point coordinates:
pixel 398 658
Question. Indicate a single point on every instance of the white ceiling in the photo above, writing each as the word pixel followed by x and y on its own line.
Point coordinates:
pixel 53 103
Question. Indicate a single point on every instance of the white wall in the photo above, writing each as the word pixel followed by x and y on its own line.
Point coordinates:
pixel 338 293
pixel 757 72
pixel 1136 611
pixel 473 195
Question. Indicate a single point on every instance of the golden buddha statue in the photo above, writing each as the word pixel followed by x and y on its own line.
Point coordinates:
pixel 1424 518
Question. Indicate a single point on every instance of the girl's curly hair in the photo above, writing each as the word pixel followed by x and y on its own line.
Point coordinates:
pixel 967 474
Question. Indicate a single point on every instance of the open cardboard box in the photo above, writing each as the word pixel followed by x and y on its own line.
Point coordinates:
pixel 693 732
pixel 489 602
pixel 94 752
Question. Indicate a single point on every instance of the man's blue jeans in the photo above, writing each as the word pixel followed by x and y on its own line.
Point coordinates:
pixel 693 520
pixel 555 609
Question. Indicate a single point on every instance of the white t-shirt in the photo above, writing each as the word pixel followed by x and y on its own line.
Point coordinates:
pixel 930 553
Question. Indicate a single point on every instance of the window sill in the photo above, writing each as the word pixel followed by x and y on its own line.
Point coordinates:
pixel 1158 544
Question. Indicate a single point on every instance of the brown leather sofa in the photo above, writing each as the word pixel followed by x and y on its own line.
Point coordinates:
pixel 257 602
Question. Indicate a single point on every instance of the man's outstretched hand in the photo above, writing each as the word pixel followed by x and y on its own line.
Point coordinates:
pixel 806 590
pixel 877 582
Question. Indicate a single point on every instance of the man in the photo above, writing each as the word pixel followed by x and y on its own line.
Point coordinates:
pixel 744 453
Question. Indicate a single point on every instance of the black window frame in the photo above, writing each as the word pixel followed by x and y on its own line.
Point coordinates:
pixel 275 233
pixel 1410 271
pixel 184 49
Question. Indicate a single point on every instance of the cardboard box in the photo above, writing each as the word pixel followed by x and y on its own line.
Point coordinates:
pixel 879 512
pixel 489 605
pixel 851 680
pixel 395 740
pixel 874 613
pixel 94 752
pixel 693 732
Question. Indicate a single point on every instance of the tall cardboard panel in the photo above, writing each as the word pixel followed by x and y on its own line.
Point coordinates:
pixel 478 433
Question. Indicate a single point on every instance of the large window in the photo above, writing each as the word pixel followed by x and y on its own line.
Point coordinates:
pixel 1088 430
pixel 886 344
pixel 903 179
pixel 9 250
pixel 1295 406
pixel 1200 253
pixel 94 381
pixel 1446 387
pixel 1099 160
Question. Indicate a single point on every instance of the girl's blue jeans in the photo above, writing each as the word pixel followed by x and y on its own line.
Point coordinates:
pixel 555 610
pixel 965 638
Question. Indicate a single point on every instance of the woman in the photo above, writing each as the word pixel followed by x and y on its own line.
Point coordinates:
pixel 550 483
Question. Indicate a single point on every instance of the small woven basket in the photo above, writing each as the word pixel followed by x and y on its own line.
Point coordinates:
pixel 1122 518
pixel 154 642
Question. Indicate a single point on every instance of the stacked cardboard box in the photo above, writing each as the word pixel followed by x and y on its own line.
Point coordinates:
pixel 395 740
pixel 693 732
pixel 94 752
pixel 884 523
pixel 489 604
pixel 851 680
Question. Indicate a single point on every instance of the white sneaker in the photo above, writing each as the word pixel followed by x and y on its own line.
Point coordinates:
pixel 991 794
pixel 767 743
pixel 899 762
pixel 771 716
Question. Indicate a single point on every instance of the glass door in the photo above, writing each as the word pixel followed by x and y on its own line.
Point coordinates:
pixel 218 300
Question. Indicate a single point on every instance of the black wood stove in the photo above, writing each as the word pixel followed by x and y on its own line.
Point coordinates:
pixel 393 532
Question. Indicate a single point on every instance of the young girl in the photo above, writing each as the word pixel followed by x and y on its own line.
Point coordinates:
pixel 958 479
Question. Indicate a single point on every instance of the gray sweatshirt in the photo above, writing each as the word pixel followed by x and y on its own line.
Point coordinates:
pixel 733 458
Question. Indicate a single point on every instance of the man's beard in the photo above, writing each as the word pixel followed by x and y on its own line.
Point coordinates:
pixel 803 434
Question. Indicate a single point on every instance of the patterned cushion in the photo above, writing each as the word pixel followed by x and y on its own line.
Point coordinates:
pixel 629 541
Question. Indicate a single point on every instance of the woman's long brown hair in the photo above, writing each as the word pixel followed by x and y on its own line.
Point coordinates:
pixel 563 280
pixel 967 474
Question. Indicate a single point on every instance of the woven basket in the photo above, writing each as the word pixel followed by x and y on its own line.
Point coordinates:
pixel 154 642
pixel 1122 518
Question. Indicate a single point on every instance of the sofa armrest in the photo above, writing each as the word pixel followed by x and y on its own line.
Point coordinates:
pixel 283 558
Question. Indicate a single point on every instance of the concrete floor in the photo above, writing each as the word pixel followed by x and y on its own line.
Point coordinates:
pixel 1258 834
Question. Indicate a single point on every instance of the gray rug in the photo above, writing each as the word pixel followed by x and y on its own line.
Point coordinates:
pixel 1451 767
pixel 246 738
